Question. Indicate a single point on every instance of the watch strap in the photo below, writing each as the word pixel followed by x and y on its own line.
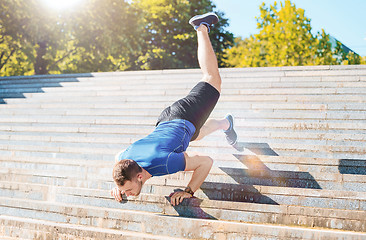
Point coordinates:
pixel 189 190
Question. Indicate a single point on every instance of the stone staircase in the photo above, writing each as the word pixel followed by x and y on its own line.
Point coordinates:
pixel 297 172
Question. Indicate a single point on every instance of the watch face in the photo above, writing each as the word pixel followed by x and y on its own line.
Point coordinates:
pixel 189 190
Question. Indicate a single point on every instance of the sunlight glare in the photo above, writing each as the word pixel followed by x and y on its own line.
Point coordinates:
pixel 60 4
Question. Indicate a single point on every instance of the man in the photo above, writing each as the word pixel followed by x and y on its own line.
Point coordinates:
pixel 163 151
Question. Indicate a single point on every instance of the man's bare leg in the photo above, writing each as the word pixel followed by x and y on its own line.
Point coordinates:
pixel 211 126
pixel 207 58
pixel 209 66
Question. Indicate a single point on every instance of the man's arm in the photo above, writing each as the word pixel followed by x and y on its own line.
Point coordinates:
pixel 201 166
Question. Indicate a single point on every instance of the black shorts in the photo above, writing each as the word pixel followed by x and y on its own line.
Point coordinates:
pixel 196 107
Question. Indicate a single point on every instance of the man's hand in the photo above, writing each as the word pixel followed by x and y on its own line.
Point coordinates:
pixel 177 197
pixel 117 194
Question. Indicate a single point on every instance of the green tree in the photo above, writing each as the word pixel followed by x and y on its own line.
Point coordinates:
pixel 324 53
pixel 12 59
pixel 284 39
pixel 102 35
pixel 352 59
pixel 15 57
pixel 97 36
pixel 363 60
pixel 168 39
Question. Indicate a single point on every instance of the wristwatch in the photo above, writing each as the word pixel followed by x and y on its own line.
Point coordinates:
pixel 189 190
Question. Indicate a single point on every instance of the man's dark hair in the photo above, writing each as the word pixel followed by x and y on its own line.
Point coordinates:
pixel 125 170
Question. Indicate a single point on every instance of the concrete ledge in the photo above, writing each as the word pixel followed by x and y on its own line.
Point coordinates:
pixel 177 93
pixel 248 113
pixel 47 98
pixel 180 82
pixel 264 146
pixel 209 191
pixel 41 229
pixel 71 210
pixel 120 135
pixel 48 76
pixel 253 231
pixel 220 105
pixel 259 69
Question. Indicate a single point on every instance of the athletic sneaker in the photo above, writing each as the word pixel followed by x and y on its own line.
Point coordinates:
pixel 230 133
pixel 208 19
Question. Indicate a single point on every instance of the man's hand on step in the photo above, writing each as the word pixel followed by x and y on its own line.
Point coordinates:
pixel 117 194
pixel 177 197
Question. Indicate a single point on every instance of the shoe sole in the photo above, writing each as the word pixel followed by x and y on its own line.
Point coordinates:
pixel 202 16
pixel 232 118
pixel 233 128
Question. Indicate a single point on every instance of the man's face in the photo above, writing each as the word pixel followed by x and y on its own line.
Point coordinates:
pixel 132 188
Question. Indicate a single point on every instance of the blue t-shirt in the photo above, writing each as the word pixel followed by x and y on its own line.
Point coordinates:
pixel 161 152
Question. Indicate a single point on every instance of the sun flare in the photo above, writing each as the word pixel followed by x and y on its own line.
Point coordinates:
pixel 60 5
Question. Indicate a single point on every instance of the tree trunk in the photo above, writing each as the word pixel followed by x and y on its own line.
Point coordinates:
pixel 40 67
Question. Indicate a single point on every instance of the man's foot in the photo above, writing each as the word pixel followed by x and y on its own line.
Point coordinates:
pixel 207 19
pixel 230 133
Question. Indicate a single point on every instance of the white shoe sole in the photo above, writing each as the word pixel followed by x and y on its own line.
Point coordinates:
pixel 201 16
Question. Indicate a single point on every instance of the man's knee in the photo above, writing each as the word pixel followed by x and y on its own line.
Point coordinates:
pixel 214 80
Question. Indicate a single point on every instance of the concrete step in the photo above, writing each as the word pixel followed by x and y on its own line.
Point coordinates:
pixel 40 82
pixel 106 144
pixel 308 129
pixel 193 208
pixel 186 73
pixel 54 134
pixel 183 83
pixel 229 84
pixel 258 145
pixel 320 198
pixel 298 172
pixel 159 105
pixel 321 130
pixel 11 226
pixel 275 71
pixel 27 228
pixel 244 115
pixel 108 152
pixel 235 161
pixel 166 99
pixel 78 129
pixel 238 113
pixel 230 178
pixel 109 156
pixel 40 93
pixel 278 176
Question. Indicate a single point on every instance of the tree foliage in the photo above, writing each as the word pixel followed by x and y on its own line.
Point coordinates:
pixel 102 35
pixel 168 39
pixel 285 39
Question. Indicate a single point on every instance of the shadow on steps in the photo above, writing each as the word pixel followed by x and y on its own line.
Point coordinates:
pixel 257 148
pixel 15 87
pixel 257 173
pixel 235 193
pixel 352 166
pixel 190 207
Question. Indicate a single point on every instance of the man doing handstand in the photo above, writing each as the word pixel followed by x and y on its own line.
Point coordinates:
pixel 163 151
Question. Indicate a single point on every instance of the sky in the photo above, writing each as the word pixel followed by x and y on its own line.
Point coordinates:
pixel 343 19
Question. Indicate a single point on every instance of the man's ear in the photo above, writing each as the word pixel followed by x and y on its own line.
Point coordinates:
pixel 139 176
